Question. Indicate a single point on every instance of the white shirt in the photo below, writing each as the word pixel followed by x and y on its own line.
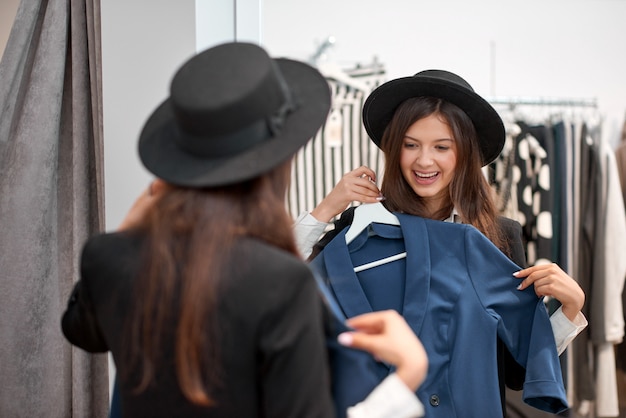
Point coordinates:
pixel 390 399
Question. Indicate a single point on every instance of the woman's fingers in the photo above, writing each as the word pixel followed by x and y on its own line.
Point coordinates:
pixel 551 280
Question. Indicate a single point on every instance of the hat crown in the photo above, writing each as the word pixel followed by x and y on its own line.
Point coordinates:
pixel 446 76
pixel 210 99
pixel 233 113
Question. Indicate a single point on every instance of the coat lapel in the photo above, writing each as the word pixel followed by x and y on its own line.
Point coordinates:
pixel 418 270
pixel 342 277
pixel 347 289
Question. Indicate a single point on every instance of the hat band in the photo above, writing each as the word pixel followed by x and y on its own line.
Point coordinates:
pixel 224 145
pixel 236 142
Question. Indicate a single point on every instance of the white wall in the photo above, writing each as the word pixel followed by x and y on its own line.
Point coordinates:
pixel 143 43
pixel 538 48
pixel 227 20
pixel 514 48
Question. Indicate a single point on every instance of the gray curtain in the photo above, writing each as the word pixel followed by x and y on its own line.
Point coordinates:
pixel 51 200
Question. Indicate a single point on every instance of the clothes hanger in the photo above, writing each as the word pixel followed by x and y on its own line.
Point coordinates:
pixel 332 71
pixel 368 213
pixel 379 262
pixel 364 215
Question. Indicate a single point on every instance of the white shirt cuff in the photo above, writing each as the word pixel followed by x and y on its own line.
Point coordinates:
pixel 565 330
pixel 307 231
pixel 390 399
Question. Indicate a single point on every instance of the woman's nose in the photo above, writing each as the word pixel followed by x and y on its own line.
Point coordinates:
pixel 423 158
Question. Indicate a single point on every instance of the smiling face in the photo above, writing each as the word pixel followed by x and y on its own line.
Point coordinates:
pixel 428 159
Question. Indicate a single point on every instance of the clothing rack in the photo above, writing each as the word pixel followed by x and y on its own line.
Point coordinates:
pixel 321 50
pixel 544 101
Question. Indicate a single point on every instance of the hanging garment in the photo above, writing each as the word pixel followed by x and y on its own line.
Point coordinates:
pixel 523 181
pixel 457 292
pixel 602 272
pixel 620 159
pixel 341 145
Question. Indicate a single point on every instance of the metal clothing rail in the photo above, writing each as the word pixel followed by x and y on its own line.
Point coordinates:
pixel 544 101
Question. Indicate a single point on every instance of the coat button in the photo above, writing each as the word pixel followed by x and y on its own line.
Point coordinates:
pixel 434 400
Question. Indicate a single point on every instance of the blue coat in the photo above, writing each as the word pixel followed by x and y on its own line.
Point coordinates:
pixel 457 292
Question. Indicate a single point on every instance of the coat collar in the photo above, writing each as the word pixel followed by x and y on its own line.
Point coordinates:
pixel 345 284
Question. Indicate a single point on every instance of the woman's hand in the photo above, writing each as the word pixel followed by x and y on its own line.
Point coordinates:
pixel 357 185
pixel 551 280
pixel 139 209
pixel 387 336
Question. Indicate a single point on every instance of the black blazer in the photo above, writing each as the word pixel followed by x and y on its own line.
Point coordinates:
pixel 271 323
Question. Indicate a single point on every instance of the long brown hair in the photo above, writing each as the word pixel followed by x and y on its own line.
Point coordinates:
pixel 469 191
pixel 190 235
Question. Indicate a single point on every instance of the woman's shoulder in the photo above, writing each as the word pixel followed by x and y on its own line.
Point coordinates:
pixel 512 231
pixel 509 225
pixel 110 255
pixel 104 245
pixel 268 260
pixel 505 221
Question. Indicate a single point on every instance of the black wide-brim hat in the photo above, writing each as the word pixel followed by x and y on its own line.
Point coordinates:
pixel 383 101
pixel 233 113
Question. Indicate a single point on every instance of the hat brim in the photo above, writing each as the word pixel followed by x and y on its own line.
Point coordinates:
pixel 160 154
pixel 382 103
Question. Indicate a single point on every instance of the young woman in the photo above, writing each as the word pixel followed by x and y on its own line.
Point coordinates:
pixel 201 296
pixel 437 134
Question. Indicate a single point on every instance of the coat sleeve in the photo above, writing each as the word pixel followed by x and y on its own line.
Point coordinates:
pixel 79 323
pixel 344 220
pixel 523 322
pixel 97 307
pixel 513 373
